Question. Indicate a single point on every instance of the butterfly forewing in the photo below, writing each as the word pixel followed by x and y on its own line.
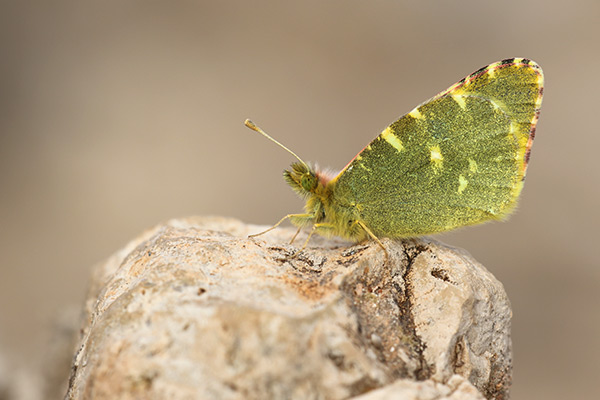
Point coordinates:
pixel 457 159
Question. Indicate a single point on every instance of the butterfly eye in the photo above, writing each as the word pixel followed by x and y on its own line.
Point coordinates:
pixel 309 182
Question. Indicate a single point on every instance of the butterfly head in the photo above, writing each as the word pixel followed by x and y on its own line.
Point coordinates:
pixel 302 178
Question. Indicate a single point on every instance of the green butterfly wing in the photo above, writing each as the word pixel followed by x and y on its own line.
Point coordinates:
pixel 457 159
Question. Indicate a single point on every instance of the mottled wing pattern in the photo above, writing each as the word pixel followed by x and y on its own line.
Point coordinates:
pixel 455 160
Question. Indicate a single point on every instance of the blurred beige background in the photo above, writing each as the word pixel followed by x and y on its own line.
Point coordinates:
pixel 116 115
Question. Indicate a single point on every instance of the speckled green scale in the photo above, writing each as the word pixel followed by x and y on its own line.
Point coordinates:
pixel 458 159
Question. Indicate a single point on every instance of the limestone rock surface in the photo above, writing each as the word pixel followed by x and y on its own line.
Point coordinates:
pixel 194 309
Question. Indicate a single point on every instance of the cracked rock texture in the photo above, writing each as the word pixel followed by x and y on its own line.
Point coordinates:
pixel 193 309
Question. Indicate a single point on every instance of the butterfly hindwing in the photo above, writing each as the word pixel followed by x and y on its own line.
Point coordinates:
pixel 455 160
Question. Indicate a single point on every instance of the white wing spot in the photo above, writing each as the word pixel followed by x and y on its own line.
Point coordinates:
pixel 436 156
pixel 459 99
pixel 462 184
pixel 472 166
pixel 392 139
pixel 416 114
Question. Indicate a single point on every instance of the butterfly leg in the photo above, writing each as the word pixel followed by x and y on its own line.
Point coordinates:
pixel 300 216
pixel 375 238
pixel 322 226
pixel 295 235
pixel 300 220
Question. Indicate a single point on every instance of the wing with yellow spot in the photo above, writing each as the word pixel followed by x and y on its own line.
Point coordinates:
pixel 458 159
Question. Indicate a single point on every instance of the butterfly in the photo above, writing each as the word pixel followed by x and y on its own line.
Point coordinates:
pixel 457 159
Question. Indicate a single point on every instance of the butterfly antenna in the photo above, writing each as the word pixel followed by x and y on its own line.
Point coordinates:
pixel 255 128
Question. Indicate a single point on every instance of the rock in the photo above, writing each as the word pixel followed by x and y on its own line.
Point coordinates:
pixel 195 309
pixel 457 388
